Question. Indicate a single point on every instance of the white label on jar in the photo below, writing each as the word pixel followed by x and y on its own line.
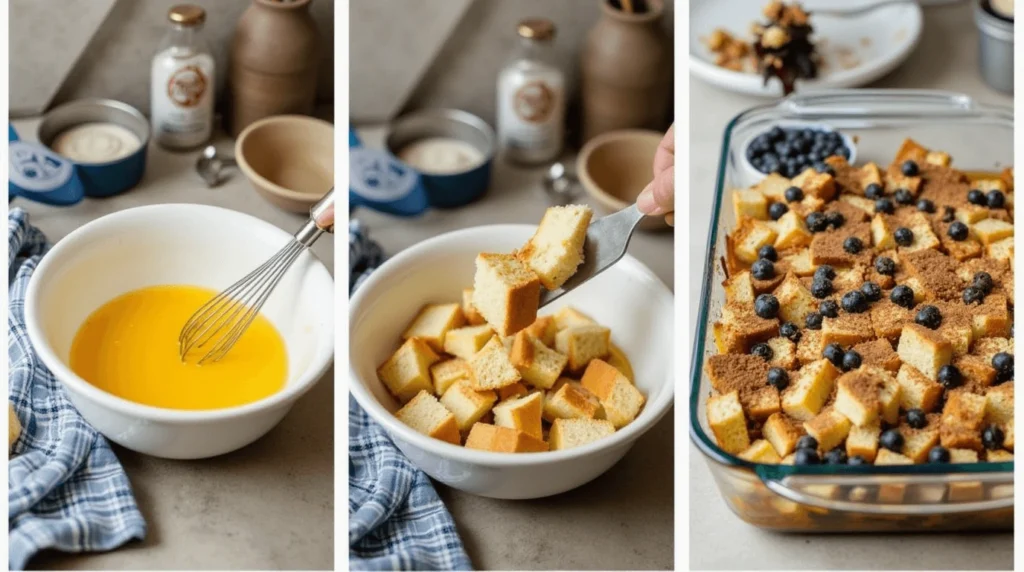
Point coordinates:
pixel 182 99
pixel 531 112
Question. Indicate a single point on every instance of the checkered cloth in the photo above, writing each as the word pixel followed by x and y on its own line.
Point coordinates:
pixel 67 490
pixel 396 519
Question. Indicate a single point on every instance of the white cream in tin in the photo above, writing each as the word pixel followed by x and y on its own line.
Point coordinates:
pixel 98 142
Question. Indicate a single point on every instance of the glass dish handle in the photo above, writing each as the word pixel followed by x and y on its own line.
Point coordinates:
pixel 894 102
pixel 791 490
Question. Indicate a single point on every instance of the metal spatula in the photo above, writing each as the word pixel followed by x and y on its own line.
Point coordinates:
pixel 607 239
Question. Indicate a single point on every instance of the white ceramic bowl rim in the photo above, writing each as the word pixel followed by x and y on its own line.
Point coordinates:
pixel 65 375
pixel 434 446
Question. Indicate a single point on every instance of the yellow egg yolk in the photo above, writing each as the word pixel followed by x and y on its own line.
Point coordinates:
pixel 129 347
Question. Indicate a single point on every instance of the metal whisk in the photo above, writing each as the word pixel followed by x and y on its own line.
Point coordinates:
pixel 219 323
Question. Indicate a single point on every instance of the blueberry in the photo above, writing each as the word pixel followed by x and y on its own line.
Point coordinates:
pixel 823 167
pixel 909 168
pixel 807 442
pixel 929 317
pixel 855 302
pixel 813 321
pixel 903 197
pixel 851 360
pixel 778 378
pixel 957 231
pixel 892 440
pixel 828 309
pixel 816 222
pixel 775 133
pixel 853 245
pixel 843 152
pixel 938 454
pixel 763 269
pixel 821 288
pixel 983 281
pixel 856 460
pixel 885 266
pixel 996 199
pixel 992 437
pixel 776 210
pixel 948 214
pixel 873 191
pixel 806 457
pixel 794 194
pixel 824 272
pixel 976 197
pixel 902 296
pixel 833 353
pixel 884 206
pixel 835 219
pixel 904 236
pixel 766 306
pixel 836 456
pixel 871 291
pixel 1002 362
pixel 973 294
pixel 767 252
pixel 950 377
pixel 924 205
pixel 783 149
pixel 916 418
pixel 790 331
pixel 763 351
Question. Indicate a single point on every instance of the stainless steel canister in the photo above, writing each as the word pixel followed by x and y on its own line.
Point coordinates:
pixel 995 47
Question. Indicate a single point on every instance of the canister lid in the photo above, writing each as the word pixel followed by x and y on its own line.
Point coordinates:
pixel 187 15
pixel 540 29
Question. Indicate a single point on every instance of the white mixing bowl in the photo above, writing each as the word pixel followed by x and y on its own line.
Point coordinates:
pixel 628 298
pixel 177 244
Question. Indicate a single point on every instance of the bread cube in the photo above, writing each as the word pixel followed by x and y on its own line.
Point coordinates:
pixel 433 322
pixel 473 317
pixel 887 457
pixel 750 236
pixel 782 433
pixel 924 349
pixel 878 353
pixel 748 202
pixel 783 353
pixel 447 372
pixel 467 404
pixel 725 415
pixel 999 403
pixel 760 451
pixel 544 329
pixel 620 399
pixel 425 414
pixel 1001 250
pixel 991 230
pixel 806 395
pixel 522 414
pixel 407 371
pixel 800 262
pixel 582 344
pixel 517 389
pixel 916 390
pixel 569 433
pixel 795 300
pixel 882 229
pixel 569 317
pixel 571 401
pixel 998 456
pixel 466 342
pixel 857 397
pixel 492 367
pixel 962 420
pixel 829 427
pixel 918 442
pixel 505 292
pixel 863 441
pixel 739 288
pixel 963 456
pixel 791 231
pixel 539 365
pixel 847 329
pixel 486 437
pixel 556 249
pixel 820 185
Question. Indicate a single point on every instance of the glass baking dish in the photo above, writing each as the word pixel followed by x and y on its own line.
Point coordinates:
pixel 829 498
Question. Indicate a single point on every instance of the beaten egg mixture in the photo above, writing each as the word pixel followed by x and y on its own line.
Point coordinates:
pixel 129 347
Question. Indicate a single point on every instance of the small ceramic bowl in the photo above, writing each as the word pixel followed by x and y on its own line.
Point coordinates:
pixel 628 298
pixel 615 167
pixel 177 244
pixel 447 190
pixel 289 159
pixel 111 177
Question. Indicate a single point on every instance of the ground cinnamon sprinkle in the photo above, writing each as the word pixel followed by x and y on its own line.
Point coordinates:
pixel 878 353
pixel 736 372
pixel 936 271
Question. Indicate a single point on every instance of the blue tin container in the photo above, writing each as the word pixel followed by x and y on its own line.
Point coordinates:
pixel 448 190
pixel 101 179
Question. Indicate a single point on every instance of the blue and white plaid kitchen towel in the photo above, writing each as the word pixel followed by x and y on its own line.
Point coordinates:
pixel 67 489
pixel 396 519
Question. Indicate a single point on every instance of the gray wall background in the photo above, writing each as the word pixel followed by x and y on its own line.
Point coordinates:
pixel 69 49
pixel 448 53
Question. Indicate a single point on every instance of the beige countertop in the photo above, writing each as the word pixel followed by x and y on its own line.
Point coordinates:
pixel 268 505
pixel 945 59
pixel 632 503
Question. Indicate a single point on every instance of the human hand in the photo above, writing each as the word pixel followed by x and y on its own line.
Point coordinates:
pixel 659 196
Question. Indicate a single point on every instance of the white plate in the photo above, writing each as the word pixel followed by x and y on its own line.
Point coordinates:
pixel 870 45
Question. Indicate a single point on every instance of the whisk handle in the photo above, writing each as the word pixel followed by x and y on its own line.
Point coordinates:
pixel 322 213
